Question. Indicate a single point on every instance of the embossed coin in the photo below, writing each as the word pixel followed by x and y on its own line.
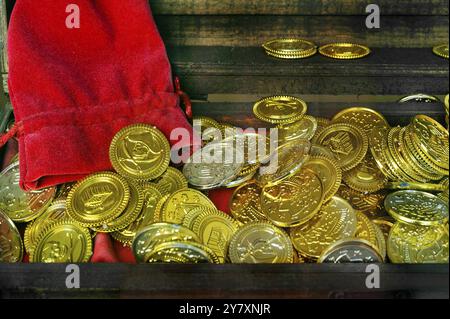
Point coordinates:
pixel 322 151
pixel 351 251
pixel 416 186
pixel 303 130
pixel 347 142
pixel 98 199
pixel 140 152
pixel 182 253
pixel 261 242
pixel 441 50
pixel 412 244
pixel 336 220
pixel 329 173
pixel 171 181
pixel 361 117
pixel 19 205
pixel 344 51
pixel 385 226
pixel 215 229
pixel 207 128
pixel 290 48
pixel 380 153
pixel 11 248
pixel 366 177
pixel 245 203
pixel 368 231
pixel 152 235
pixel 372 205
pixel 63 242
pixel 280 109
pixel 416 207
pixel 294 201
pixel 180 203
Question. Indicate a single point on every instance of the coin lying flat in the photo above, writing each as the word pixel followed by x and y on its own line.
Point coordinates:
pixel 11 248
pixel 19 205
pixel 329 173
pixel 347 142
pixel 260 242
pixel 362 117
pixel 140 152
pixel 171 181
pixel 366 177
pixel 290 48
pixel 63 242
pixel 351 251
pixel 280 109
pixel 182 253
pixel 303 130
pixel 416 207
pixel 98 199
pixel 294 201
pixel 336 220
pixel 152 235
pixel 245 204
pixel 344 51
pixel 413 244
pixel 441 50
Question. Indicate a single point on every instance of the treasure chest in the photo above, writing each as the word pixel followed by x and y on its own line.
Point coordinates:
pixel 215 48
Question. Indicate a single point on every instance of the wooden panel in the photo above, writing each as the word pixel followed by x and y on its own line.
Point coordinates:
pixel 209 70
pixel 224 281
pixel 297 7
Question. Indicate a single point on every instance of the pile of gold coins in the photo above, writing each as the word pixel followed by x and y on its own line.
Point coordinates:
pixel 349 189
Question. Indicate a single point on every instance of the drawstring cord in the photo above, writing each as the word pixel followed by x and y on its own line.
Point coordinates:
pixel 184 97
pixel 15 130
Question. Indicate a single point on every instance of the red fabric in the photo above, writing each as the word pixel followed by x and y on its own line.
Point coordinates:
pixel 73 89
pixel 221 198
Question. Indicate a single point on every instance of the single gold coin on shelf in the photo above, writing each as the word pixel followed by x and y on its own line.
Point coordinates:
pixel 280 109
pixel 290 48
pixel 140 152
pixel 11 250
pixel 441 50
pixel 344 51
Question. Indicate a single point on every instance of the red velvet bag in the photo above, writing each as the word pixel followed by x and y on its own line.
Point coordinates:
pixel 73 89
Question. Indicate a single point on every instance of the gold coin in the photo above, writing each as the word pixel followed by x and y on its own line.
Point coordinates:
pixel 215 229
pixel 208 129
pixel 381 241
pixel 416 186
pixel 280 109
pixel 140 152
pixel 171 181
pixel 380 153
pixel 191 217
pixel 351 250
pixel 301 130
pixel 344 51
pixel 322 151
pixel 441 50
pixel 385 226
pixel 413 244
pixel 64 190
pixel 446 104
pixel 329 173
pixel 284 162
pixel 347 142
pixel 294 201
pixel 55 212
pixel 367 230
pixel 19 205
pixel 182 253
pixel 130 213
pixel 290 48
pixel 245 204
pixel 157 216
pixel 372 205
pixel 151 197
pixel 63 242
pixel 240 180
pixel 322 123
pixel 11 248
pixel 261 243
pixel 98 199
pixel 180 203
pixel 416 207
pixel 362 117
pixel 150 236
pixel 336 220
pixel 366 177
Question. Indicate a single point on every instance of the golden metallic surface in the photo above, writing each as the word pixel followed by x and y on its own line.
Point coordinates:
pixel 285 162
pixel 215 229
pixel 290 48
pixel 207 128
pixel 245 204
pixel 98 199
pixel 261 243
pixel 329 173
pixel 362 117
pixel 149 237
pixel 367 230
pixel 63 191
pixel 351 251
pixel 372 205
pixel 416 186
pixel 171 181
pixel 303 130
pixel 190 219
pixel 19 205
pixel 130 213
pixel 151 197
pixel 140 152
pixel 322 151
pixel 419 98
pixel 294 201
pixel 378 148
pixel 55 212
pixel 280 109
pixel 416 207
pixel 347 142
pixel 157 215
pixel 11 248
pixel 441 50
pixel 366 177
pixel 344 51
pixel 63 242
pixel 413 244
pixel 381 241
pixel 336 220
pixel 385 226
pixel 182 253
pixel 180 203
pixel 322 123
pixel 240 180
